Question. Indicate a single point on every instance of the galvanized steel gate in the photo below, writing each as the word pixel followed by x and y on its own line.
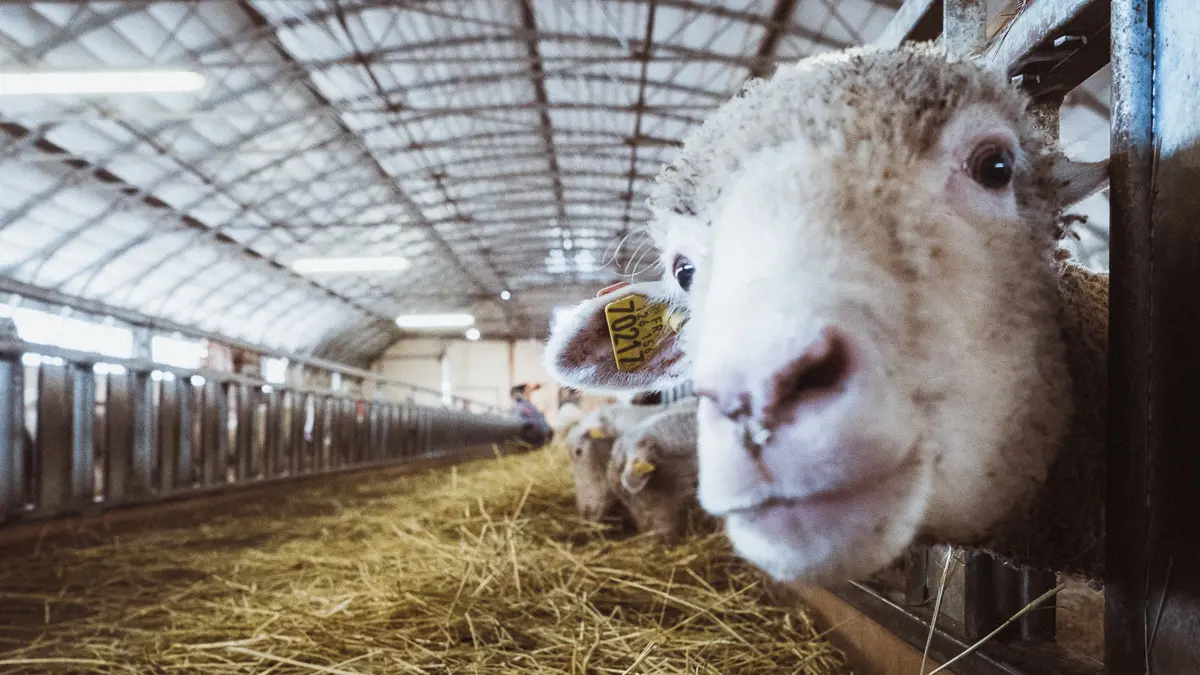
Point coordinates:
pixel 75 438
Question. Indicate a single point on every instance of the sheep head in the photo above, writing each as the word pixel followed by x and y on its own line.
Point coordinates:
pixel 863 246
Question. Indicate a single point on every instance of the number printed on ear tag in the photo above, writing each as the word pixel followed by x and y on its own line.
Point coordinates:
pixel 636 327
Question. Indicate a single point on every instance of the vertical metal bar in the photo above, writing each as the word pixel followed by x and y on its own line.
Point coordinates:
pixel 1130 336
pixel 296 445
pixel 395 436
pixel 12 433
pixel 184 469
pixel 1039 624
pixel 220 447
pixel 405 430
pixel 980 613
pixel 119 421
pixel 142 460
pixel 83 448
pixel 335 432
pixel 282 430
pixel 320 417
pixel 206 457
pixel 1007 588
pixel 1166 542
pixel 916 571
pixel 244 451
pixel 271 432
pixel 168 436
pixel 345 432
pixel 429 418
pixel 964 26
pixel 54 439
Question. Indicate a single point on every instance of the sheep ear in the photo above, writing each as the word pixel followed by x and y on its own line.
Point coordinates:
pixel 1077 180
pixel 639 467
pixel 581 351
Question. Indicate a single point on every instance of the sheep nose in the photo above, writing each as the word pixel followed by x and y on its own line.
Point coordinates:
pixel 817 376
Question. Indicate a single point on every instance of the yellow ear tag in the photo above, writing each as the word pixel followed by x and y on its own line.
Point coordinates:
pixel 636 328
pixel 597 433
pixel 641 468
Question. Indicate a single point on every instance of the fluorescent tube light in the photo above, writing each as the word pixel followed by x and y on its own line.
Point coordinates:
pixel 110 82
pixel 435 320
pixel 350 265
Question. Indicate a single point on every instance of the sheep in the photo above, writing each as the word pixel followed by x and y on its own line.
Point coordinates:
pixel 590 445
pixel 886 348
pixel 653 471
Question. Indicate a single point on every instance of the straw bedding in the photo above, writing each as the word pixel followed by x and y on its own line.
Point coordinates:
pixel 483 568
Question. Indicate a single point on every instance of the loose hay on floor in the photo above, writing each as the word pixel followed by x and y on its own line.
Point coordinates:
pixel 479 569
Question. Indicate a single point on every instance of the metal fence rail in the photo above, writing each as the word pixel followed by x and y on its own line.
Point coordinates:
pixel 81 432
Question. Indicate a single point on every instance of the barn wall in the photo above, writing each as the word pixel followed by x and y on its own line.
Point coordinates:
pixel 482 370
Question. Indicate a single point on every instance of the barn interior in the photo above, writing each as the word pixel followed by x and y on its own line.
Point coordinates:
pixel 271 269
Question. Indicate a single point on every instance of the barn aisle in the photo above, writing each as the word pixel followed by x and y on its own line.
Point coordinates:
pixel 480 568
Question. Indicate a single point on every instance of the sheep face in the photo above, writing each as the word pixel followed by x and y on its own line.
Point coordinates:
pixel 863 245
pixel 590 447
pixel 653 471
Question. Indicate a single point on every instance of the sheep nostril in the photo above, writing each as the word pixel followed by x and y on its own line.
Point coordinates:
pixel 818 374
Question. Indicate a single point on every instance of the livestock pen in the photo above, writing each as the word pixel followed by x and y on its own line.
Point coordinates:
pixel 229 524
pixel 329 480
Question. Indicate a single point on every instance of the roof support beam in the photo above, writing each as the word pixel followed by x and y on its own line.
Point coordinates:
pixel 646 51
pixel 440 243
pixel 538 81
pixel 764 58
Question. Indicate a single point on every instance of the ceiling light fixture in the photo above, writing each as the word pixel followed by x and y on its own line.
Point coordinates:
pixel 435 320
pixel 104 82
pixel 473 334
pixel 350 265
pixel 505 295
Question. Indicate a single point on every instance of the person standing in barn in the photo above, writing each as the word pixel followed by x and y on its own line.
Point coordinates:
pixel 535 431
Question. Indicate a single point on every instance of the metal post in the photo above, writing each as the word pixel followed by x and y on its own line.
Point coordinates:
pixel 184 471
pixel 83 450
pixel 980 612
pixel 12 433
pixel 220 446
pixel 916 576
pixel 1039 624
pixel 55 478
pixel 142 462
pixel 1152 544
pixel 245 433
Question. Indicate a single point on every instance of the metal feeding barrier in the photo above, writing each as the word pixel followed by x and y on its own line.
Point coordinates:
pixel 1050 47
pixel 81 432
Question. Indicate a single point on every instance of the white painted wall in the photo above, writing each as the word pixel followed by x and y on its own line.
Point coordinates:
pixel 482 370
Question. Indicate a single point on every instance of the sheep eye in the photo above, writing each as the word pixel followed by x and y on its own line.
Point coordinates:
pixel 683 270
pixel 992 167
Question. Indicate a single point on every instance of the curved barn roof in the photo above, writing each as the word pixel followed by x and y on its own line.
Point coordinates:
pixel 495 144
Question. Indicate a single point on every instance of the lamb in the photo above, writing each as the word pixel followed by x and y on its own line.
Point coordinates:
pixel 590 443
pixel 886 347
pixel 653 472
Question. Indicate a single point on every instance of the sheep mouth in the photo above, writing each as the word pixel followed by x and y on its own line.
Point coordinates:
pixel 861 498
pixel 847 512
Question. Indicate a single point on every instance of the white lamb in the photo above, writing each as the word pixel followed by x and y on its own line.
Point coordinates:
pixel 590 444
pixel 865 247
pixel 653 471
